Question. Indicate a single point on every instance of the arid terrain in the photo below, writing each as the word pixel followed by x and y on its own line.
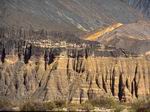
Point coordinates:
pixel 75 55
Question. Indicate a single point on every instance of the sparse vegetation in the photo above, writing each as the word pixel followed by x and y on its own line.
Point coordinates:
pixel 107 103
pixel 4 103
pixel 32 106
pixel 141 106
pixel 49 105
pixel 104 102
pixel 60 103
pixel 87 106
pixel 42 106
pixel 119 108
pixel 99 103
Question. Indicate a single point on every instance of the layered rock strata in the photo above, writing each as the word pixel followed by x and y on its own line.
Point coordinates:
pixel 75 79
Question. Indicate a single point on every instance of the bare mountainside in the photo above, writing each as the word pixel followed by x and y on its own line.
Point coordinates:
pixel 133 37
pixel 141 5
pixel 70 15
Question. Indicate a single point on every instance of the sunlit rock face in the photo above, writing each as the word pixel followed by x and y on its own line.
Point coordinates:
pixel 76 79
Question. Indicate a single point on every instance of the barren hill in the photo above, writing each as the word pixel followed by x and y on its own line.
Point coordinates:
pixel 70 15
pixel 133 37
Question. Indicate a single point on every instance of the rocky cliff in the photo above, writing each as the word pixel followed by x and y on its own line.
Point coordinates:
pixel 75 79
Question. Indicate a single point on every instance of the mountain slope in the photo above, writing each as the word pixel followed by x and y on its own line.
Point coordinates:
pixel 98 33
pixel 70 15
pixel 141 5
pixel 133 37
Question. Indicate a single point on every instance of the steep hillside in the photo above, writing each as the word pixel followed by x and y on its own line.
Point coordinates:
pixel 70 15
pixel 141 5
pixel 133 37
pixel 98 33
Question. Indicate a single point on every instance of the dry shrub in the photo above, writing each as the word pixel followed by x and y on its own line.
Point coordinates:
pixel 141 105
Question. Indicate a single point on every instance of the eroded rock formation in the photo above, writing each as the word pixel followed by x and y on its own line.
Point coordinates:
pixel 75 79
